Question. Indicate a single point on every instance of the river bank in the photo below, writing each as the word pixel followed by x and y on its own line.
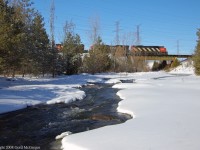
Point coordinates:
pixel 165 109
pixel 39 125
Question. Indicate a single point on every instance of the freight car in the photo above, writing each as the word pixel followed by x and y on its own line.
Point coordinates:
pixel 148 50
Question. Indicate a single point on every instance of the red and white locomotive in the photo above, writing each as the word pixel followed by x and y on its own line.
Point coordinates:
pixel 141 50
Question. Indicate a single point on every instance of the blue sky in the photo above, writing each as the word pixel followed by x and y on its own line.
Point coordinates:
pixel 161 22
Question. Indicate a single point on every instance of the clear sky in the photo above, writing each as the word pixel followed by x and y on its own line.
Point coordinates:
pixel 162 22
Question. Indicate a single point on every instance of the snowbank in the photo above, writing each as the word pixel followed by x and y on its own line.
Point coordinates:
pixel 166 112
pixel 67 95
pixel 20 93
pixel 165 109
pixel 186 67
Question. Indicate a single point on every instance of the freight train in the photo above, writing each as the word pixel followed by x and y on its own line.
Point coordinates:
pixel 148 50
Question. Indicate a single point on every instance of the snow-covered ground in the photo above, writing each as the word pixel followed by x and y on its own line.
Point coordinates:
pixel 186 67
pixel 165 109
pixel 21 93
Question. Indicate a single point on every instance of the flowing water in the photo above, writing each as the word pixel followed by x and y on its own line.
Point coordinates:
pixel 39 125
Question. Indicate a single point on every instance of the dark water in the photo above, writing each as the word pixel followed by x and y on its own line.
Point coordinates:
pixel 39 125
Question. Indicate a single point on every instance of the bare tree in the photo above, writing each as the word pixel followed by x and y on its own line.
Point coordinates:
pixel 95 29
pixel 68 28
pixel 121 54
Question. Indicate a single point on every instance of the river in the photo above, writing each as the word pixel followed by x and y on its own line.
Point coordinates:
pixel 39 125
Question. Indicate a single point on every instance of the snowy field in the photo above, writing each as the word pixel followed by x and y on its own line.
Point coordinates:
pixel 165 112
pixel 165 108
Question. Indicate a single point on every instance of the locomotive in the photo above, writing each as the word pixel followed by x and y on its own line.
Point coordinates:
pixel 141 50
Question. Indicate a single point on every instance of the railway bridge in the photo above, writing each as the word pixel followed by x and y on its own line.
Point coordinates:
pixel 154 53
pixel 161 57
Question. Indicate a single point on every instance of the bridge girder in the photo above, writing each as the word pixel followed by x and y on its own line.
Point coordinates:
pixel 162 57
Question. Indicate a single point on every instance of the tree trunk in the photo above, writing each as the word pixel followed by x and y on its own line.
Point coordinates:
pixel 13 73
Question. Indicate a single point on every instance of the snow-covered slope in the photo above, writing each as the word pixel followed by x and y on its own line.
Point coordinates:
pixel 186 67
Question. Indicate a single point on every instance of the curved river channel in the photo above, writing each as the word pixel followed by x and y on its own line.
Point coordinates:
pixel 39 125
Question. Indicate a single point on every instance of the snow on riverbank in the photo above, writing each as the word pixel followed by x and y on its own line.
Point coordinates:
pixel 166 112
pixel 165 108
pixel 21 93
pixel 186 67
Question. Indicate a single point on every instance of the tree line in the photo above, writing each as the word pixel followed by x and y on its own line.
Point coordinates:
pixel 25 47
pixel 196 57
pixel 24 43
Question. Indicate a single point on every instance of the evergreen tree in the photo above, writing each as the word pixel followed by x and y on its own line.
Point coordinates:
pixel 175 63
pixel 196 57
pixel 25 13
pixel 72 49
pixel 40 53
pixel 23 39
pixel 10 38
pixel 4 25
pixel 98 59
